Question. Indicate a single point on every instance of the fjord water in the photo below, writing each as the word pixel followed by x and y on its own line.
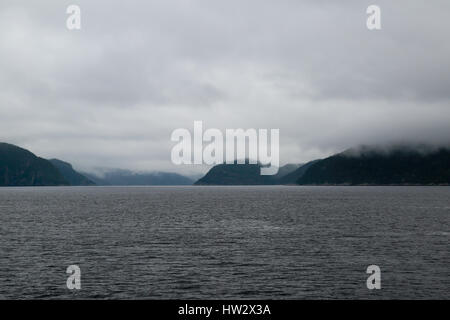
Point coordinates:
pixel 271 242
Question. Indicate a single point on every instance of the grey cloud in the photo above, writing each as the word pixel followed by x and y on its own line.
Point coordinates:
pixel 113 92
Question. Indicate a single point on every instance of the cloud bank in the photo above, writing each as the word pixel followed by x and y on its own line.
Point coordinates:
pixel 110 94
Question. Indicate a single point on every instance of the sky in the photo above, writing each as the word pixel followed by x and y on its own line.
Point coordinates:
pixel 110 94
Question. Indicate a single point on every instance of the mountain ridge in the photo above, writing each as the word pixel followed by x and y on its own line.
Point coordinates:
pixel 73 177
pixel 20 167
pixel 366 166
pixel 243 174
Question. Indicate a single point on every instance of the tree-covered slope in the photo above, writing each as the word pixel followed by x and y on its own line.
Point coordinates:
pixel 236 174
pixel 292 177
pixel 20 167
pixel 366 166
pixel 73 177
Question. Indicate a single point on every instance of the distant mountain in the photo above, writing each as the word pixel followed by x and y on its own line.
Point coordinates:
pixel 401 165
pixel 292 177
pixel 20 167
pixel 236 174
pixel 371 166
pixel 74 178
pixel 196 176
pixel 128 178
pixel 96 179
pixel 286 169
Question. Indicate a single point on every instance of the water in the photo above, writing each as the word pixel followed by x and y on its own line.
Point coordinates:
pixel 270 242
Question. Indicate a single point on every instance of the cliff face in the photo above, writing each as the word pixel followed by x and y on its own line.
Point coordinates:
pixel 20 167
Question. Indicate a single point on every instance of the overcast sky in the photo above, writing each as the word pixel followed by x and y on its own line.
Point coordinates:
pixel 110 94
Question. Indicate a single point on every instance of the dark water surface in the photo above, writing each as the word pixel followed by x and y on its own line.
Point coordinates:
pixel 225 242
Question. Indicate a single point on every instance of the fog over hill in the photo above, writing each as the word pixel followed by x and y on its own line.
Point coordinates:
pixel 401 165
pixel 119 177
